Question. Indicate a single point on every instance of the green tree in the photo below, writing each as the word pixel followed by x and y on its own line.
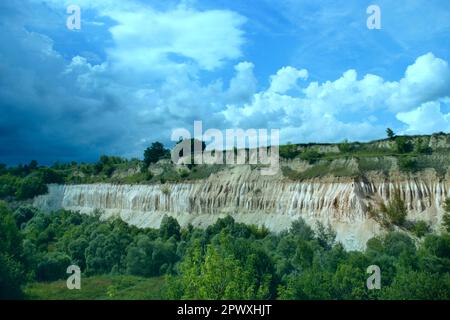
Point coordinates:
pixel 150 258
pixel 154 153
pixel 420 228
pixel 219 274
pixel 390 133
pixel 30 187
pixel 169 228
pixel 288 151
pixel 345 146
pixel 12 272
pixel 403 145
pixel 53 266
pixel 312 284
pixel 300 229
pixel 414 285
pixel 23 214
pixel 310 155
pixel 446 217
pixel 326 236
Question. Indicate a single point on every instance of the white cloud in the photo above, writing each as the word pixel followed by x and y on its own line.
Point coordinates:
pixel 425 119
pixel 153 79
pixel 349 107
pixel 426 80
pixel 148 39
pixel 286 79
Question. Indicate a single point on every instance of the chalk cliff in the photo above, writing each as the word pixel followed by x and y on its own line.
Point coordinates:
pixel 273 201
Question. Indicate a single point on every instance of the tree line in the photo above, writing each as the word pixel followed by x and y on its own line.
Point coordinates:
pixel 227 260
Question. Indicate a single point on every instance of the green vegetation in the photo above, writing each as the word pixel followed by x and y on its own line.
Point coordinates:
pixel 155 153
pixel 390 133
pixel 411 153
pixel 105 287
pixel 227 260
pixel 12 269
pixel 288 151
pixel 403 145
pixel 310 155
pixel 391 214
pixel 446 218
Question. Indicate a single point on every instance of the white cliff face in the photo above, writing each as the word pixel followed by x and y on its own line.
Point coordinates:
pixel 250 198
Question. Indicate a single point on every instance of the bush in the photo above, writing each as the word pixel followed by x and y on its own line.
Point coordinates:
pixel 11 269
pixel 422 148
pixel 310 155
pixel 346 147
pixel 288 151
pixel 169 228
pixel 392 213
pixel 53 266
pixel 184 173
pixel 403 145
pixel 446 218
pixel 300 229
pixel 150 258
pixel 8 185
pixel 408 164
pixel 23 214
pixel 154 153
pixel 30 187
pixel 420 228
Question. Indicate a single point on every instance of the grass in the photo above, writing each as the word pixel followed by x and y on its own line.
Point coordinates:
pixel 105 287
pixel 319 170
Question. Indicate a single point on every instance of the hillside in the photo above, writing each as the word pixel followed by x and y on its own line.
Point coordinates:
pixel 335 184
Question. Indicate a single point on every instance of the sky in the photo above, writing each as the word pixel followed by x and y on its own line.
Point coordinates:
pixel 137 70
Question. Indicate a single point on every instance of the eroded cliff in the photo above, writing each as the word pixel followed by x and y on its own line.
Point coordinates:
pixel 273 201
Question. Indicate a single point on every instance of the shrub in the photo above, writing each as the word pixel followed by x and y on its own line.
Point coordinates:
pixel 23 214
pixel 346 147
pixel 420 228
pixel 408 164
pixel 300 229
pixel 184 173
pixel 392 213
pixel 53 266
pixel 310 155
pixel 288 151
pixel 422 148
pixel 30 187
pixel 154 153
pixel 446 218
pixel 169 228
pixel 403 145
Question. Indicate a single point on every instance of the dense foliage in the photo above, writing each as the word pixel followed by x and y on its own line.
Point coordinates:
pixel 227 260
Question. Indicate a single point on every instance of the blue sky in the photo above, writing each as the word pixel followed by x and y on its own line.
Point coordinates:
pixel 139 69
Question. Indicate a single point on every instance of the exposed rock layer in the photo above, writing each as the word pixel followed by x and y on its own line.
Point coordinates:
pixel 251 198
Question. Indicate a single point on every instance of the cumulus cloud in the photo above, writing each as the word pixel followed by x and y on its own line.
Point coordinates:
pixel 427 118
pixel 348 107
pixel 426 80
pixel 145 38
pixel 157 69
pixel 286 79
